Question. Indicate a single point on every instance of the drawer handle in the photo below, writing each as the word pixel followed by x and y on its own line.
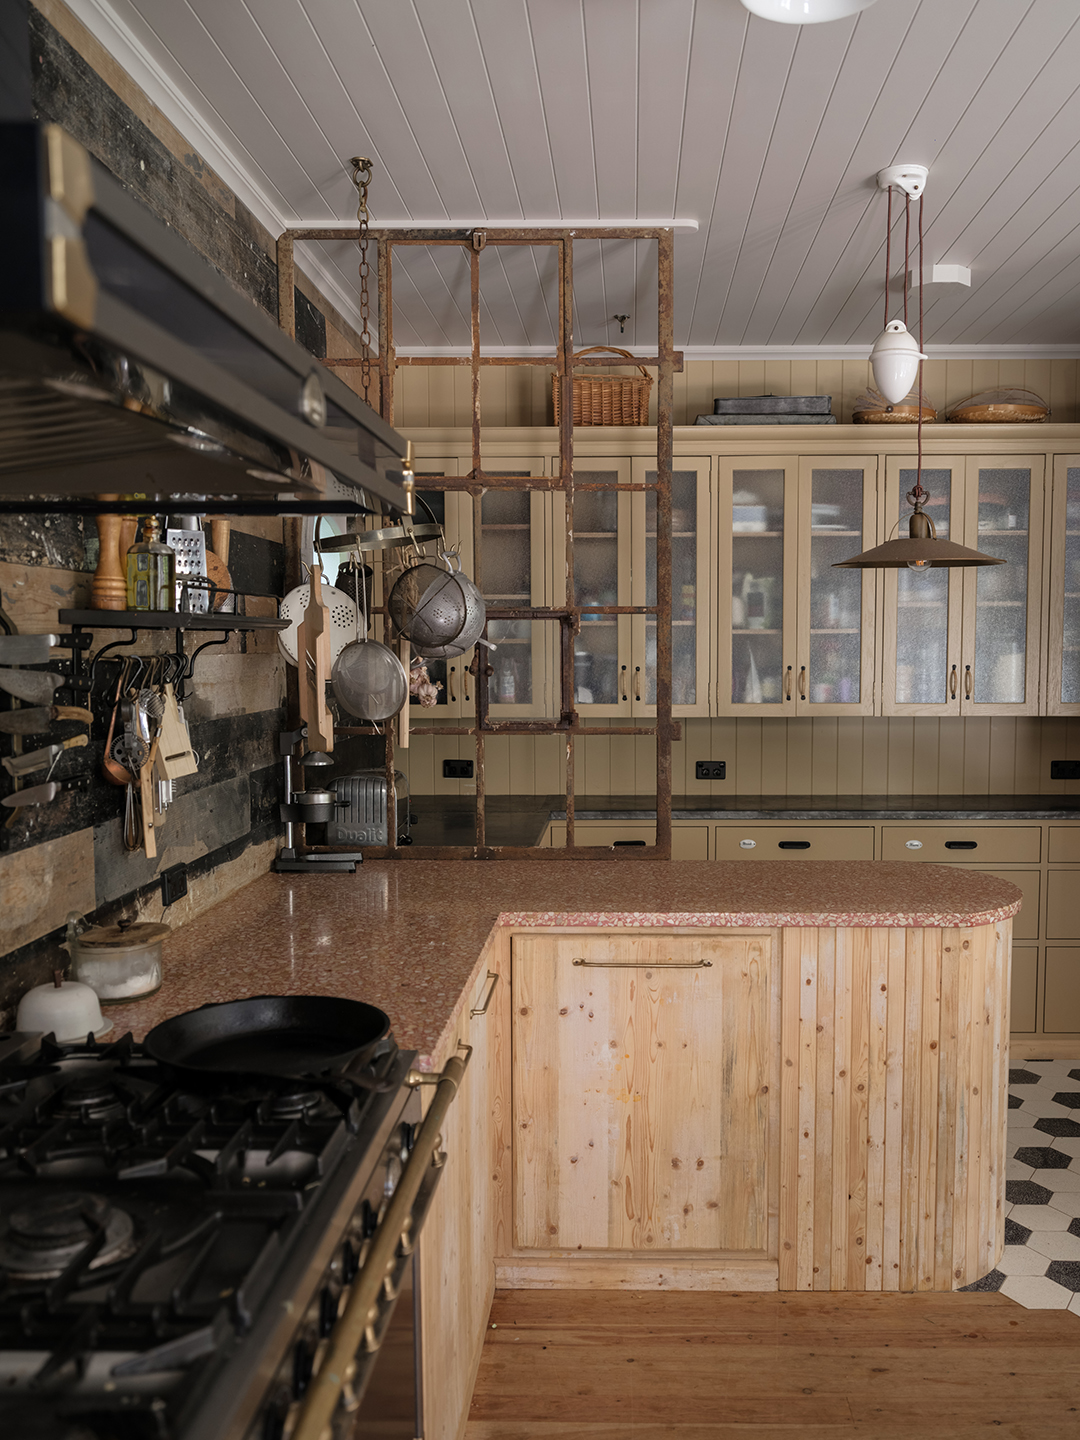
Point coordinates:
pixel 493 976
pixel 645 964
pixel 616 843
pixel 961 844
pixel 747 844
pixel 802 682
pixel 793 844
pixel 913 844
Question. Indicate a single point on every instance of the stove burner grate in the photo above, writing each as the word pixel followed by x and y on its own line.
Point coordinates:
pixel 45 1236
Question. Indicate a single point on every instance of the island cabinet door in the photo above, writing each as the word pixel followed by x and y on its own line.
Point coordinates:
pixel 640 1072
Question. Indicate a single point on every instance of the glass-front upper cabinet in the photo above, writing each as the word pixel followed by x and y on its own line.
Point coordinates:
pixel 798 635
pixel 967 641
pixel 614 553
pixel 1063 650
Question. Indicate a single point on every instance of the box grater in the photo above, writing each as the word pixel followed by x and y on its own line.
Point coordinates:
pixel 185 536
pixel 363 820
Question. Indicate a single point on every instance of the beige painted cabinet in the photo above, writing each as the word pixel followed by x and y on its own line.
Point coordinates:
pixel 795 635
pixel 1063 651
pixel 640 1082
pixel 968 641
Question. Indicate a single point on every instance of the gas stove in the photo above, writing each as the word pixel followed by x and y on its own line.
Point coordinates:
pixel 175 1255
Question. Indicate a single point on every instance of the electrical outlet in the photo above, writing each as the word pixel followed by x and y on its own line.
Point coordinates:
pixel 457 769
pixel 173 884
pixel 1065 769
pixel 710 769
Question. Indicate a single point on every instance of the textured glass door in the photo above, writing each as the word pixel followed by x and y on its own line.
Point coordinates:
pixel 512 544
pixel 923 607
pixel 691 591
pixel 1063 652
pixel 1001 602
pixel 758 531
pixel 602 678
pixel 836 621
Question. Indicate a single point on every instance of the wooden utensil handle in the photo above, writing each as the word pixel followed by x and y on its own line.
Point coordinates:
pixel 219 539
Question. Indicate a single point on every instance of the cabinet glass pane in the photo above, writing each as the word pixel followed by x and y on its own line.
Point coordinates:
pixel 596 582
pixel 1070 633
pixel 922 603
pixel 836 505
pixel 1001 590
pixel 684 541
pixel 757 574
pixel 506 551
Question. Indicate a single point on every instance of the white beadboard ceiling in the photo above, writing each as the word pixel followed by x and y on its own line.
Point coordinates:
pixel 768 136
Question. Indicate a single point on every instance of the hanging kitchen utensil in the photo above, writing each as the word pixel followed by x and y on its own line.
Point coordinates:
pixel 341 618
pixel 32 760
pixel 369 680
pixel 113 772
pixel 36 721
pixel 36 686
pixel 428 604
pixel 475 620
pixel 42 794
pixel 295 1037
pixel 185 536
pixel 175 757
pixel 26 649
pixel 314 667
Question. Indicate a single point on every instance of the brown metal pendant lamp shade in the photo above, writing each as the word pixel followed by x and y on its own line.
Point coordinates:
pixel 922 550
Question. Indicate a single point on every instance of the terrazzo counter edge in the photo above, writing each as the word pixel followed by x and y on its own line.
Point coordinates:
pixel 412 936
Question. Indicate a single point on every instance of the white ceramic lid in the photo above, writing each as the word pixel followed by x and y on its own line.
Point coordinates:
pixel 70 1011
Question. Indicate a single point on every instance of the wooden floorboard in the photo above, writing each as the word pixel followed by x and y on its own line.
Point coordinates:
pixel 558 1365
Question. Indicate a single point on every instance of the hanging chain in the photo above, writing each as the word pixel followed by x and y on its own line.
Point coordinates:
pixel 361 179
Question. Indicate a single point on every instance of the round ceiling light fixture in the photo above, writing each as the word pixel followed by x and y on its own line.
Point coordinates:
pixel 805 12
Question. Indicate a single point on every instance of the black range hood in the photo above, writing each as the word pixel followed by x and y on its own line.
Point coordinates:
pixel 129 366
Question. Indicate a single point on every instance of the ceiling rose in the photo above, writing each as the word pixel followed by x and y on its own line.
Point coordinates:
pixel 805 12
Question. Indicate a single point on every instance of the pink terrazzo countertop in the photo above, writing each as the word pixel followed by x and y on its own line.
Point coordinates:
pixel 409 936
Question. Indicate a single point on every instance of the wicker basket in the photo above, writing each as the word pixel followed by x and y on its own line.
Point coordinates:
pixel 607 399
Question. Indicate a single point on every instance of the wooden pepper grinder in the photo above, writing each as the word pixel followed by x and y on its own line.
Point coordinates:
pixel 109 588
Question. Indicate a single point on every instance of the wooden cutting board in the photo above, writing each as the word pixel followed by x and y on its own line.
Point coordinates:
pixel 313 652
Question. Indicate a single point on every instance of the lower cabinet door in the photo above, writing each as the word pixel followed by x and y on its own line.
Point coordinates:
pixel 640 1071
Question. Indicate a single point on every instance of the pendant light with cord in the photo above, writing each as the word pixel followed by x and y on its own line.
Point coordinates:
pixel 897 363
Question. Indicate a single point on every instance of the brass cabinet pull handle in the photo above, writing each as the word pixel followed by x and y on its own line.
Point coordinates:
pixel 788 696
pixel 622 669
pixel 967 681
pixel 644 964
pixel 952 682
pixel 637 683
pixel 450 685
pixel 802 682
pixel 493 976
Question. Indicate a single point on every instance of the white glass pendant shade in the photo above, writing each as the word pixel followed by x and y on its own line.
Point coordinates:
pixel 805 12
pixel 895 361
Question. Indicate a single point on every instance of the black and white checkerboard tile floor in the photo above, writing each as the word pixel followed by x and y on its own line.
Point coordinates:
pixel 1040 1266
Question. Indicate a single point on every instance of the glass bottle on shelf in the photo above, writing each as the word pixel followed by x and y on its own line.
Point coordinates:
pixel 757 583
pixel 151 570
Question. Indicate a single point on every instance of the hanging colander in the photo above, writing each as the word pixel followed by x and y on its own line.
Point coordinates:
pixel 428 604
pixel 368 679
pixel 341 613
pixel 475 620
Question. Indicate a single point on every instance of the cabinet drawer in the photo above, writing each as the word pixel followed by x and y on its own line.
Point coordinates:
pixel 688 842
pixel 962 842
pixel 794 842
pixel 1062 905
pixel 1025 970
pixel 1061 1003
pixel 1064 845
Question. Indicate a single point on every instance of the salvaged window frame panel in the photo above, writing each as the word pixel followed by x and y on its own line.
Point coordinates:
pixel 568 616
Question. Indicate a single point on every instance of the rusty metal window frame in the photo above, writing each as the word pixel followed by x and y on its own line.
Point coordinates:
pixel 667 361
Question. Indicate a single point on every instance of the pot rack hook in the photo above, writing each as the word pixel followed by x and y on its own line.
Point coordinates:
pixel 113 645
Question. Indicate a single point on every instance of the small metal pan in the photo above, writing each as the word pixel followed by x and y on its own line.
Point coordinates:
pixel 294 1037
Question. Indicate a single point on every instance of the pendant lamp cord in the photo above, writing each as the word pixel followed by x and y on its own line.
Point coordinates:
pixel 919 491
pixel 888 259
pixel 907 249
